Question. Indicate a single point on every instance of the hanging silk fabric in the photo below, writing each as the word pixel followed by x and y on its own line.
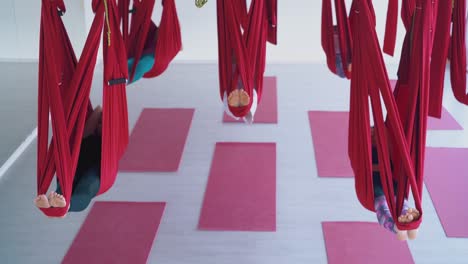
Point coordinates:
pixel 400 141
pixel 143 36
pixel 336 39
pixel 64 88
pixel 443 20
pixel 242 38
pixel 458 52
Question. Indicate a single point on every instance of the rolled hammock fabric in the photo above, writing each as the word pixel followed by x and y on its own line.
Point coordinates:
pixel 64 88
pixel 143 30
pixel 401 139
pixel 242 55
pixel 458 53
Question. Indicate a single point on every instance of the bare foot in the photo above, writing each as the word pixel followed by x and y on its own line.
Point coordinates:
pixel 414 213
pixel 244 98
pixel 412 234
pixel 41 201
pixel 411 215
pixel 401 234
pixel 234 98
pixel 57 200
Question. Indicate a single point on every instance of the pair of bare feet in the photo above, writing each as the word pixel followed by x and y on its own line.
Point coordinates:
pixel 411 215
pixel 238 98
pixel 52 200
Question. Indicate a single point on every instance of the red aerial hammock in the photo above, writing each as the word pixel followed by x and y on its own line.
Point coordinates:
pixel 242 53
pixel 164 41
pixel 64 88
pixel 401 139
pixel 336 40
pixel 440 51
pixel 458 53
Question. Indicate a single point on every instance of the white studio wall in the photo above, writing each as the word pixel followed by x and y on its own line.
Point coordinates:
pixel 298 35
pixel 20 25
pixel 298 31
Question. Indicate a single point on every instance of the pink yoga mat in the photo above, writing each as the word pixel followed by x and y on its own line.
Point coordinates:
pixel 446 180
pixel 446 122
pixel 267 109
pixel 241 190
pixel 330 138
pixel 158 140
pixel 116 232
pixel 362 242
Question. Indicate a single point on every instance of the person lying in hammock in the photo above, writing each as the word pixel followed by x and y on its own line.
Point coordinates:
pixel 382 210
pixel 146 62
pixel 86 182
pixel 240 98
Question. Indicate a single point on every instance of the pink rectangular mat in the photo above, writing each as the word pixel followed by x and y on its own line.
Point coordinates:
pixel 241 189
pixel 330 138
pixel 157 140
pixel 363 242
pixel 446 122
pixel 446 180
pixel 116 232
pixel 267 110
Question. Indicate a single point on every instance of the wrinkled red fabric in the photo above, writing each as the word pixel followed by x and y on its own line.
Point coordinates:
pixel 64 88
pixel 458 53
pixel 344 35
pixel 401 138
pixel 242 54
pixel 143 30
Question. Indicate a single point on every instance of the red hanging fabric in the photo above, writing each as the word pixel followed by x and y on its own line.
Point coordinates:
pixel 343 34
pixel 167 37
pixel 458 53
pixel 407 10
pixel 64 87
pixel 391 27
pixel 401 139
pixel 272 8
pixel 242 55
pixel 443 20
pixel 124 10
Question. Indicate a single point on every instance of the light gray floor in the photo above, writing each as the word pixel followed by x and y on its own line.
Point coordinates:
pixel 18 105
pixel 303 199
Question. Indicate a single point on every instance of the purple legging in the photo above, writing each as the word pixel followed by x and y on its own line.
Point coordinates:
pixel 383 213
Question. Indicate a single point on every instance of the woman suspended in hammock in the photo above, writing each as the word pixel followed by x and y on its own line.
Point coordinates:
pixel 147 59
pixel 238 97
pixel 382 210
pixel 87 177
